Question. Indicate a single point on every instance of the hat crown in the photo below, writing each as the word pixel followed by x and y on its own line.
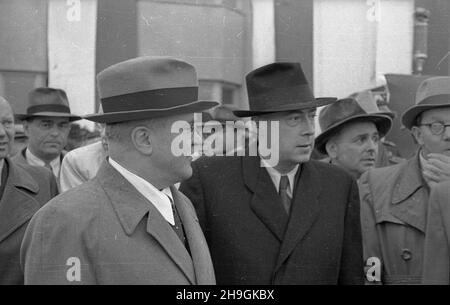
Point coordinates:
pixel 342 110
pixel 47 96
pixel 278 87
pixel 434 90
pixel 145 74
pixel 276 75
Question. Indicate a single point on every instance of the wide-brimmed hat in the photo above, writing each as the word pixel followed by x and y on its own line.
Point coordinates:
pixel 47 102
pixel 279 87
pixel 432 93
pixel 333 117
pixel 148 87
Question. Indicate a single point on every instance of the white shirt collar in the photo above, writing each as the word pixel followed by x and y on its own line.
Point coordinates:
pixel 34 160
pixel 276 176
pixel 162 200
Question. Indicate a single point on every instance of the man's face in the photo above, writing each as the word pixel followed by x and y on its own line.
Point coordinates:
pixel 355 148
pixel 177 167
pixel 433 143
pixel 6 129
pixel 296 135
pixel 47 136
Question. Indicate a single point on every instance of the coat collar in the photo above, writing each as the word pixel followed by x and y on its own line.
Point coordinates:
pixel 16 206
pixel 410 180
pixel 410 195
pixel 305 210
pixel 267 206
pixel 131 207
pixel 265 201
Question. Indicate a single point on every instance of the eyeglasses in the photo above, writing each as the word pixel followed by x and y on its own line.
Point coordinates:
pixel 436 128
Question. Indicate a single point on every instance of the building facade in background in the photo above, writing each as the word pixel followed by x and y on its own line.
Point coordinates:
pixel 344 45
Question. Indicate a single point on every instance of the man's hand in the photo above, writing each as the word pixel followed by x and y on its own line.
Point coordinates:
pixel 437 168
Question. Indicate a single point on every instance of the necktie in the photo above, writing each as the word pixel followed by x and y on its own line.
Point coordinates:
pixel 178 226
pixel 47 165
pixel 285 199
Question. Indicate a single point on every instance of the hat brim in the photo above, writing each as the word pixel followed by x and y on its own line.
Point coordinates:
pixel 135 115
pixel 382 121
pixel 410 114
pixel 318 102
pixel 71 117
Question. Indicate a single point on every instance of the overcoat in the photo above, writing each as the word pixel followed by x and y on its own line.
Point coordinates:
pixel 105 232
pixel 253 241
pixel 394 203
pixel 27 188
pixel 436 266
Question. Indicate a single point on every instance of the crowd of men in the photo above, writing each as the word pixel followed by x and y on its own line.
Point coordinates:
pixel 339 208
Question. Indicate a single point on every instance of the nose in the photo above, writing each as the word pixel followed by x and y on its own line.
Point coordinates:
pixel 55 131
pixel 372 145
pixel 308 127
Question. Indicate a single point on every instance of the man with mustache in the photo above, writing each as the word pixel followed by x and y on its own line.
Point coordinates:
pixel 46 123
pixel 292 222
pixel 394 199
pixel 351 132
pixel 23 190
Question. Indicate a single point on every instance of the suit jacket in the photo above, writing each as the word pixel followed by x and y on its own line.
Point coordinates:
pixel 253 241
pixel 20 158
pixel 394 203
pixel 80 165
pixel 436 266
pixel 27 189
pixel 105 232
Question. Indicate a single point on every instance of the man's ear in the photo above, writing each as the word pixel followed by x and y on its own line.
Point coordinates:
pixel 417 134
pixel 141 139
pixel 331 149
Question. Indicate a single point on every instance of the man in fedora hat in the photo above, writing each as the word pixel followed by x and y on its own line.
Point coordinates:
pixel 388 152
pixel 296 222
pixel 394 199
pixel 46 123
pixel 23 190
pixel 351 132
pixel 128 225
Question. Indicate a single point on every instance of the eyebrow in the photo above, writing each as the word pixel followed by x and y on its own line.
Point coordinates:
pixel 366 135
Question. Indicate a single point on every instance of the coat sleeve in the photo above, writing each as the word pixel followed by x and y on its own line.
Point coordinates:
pixel 436 258
pixel 52 253
pixel 372 256
pixel 351 272
pixel 193 189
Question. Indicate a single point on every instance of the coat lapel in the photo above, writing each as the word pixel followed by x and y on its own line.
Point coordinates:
pixel 305 210
pixel 16 206
pixel 131 207
pixel 204 272
pixel 410 195
pixel 265 201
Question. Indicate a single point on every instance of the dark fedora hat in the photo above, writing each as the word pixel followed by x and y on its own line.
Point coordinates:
pixel 148 87
pixel 279 87
pixel 48 102
pixel 333 117
pixel 432 93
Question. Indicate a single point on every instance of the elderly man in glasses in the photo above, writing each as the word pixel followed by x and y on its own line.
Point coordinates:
pixel 394 200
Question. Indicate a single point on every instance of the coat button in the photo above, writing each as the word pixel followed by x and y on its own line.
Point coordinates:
pixel 406 254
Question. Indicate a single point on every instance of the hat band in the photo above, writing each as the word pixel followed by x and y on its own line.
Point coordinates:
pixel 151 99
pixel 48 108
pixel 436 100
pixel 277 97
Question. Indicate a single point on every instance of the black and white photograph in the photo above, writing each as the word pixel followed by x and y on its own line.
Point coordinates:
pixel 228 146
